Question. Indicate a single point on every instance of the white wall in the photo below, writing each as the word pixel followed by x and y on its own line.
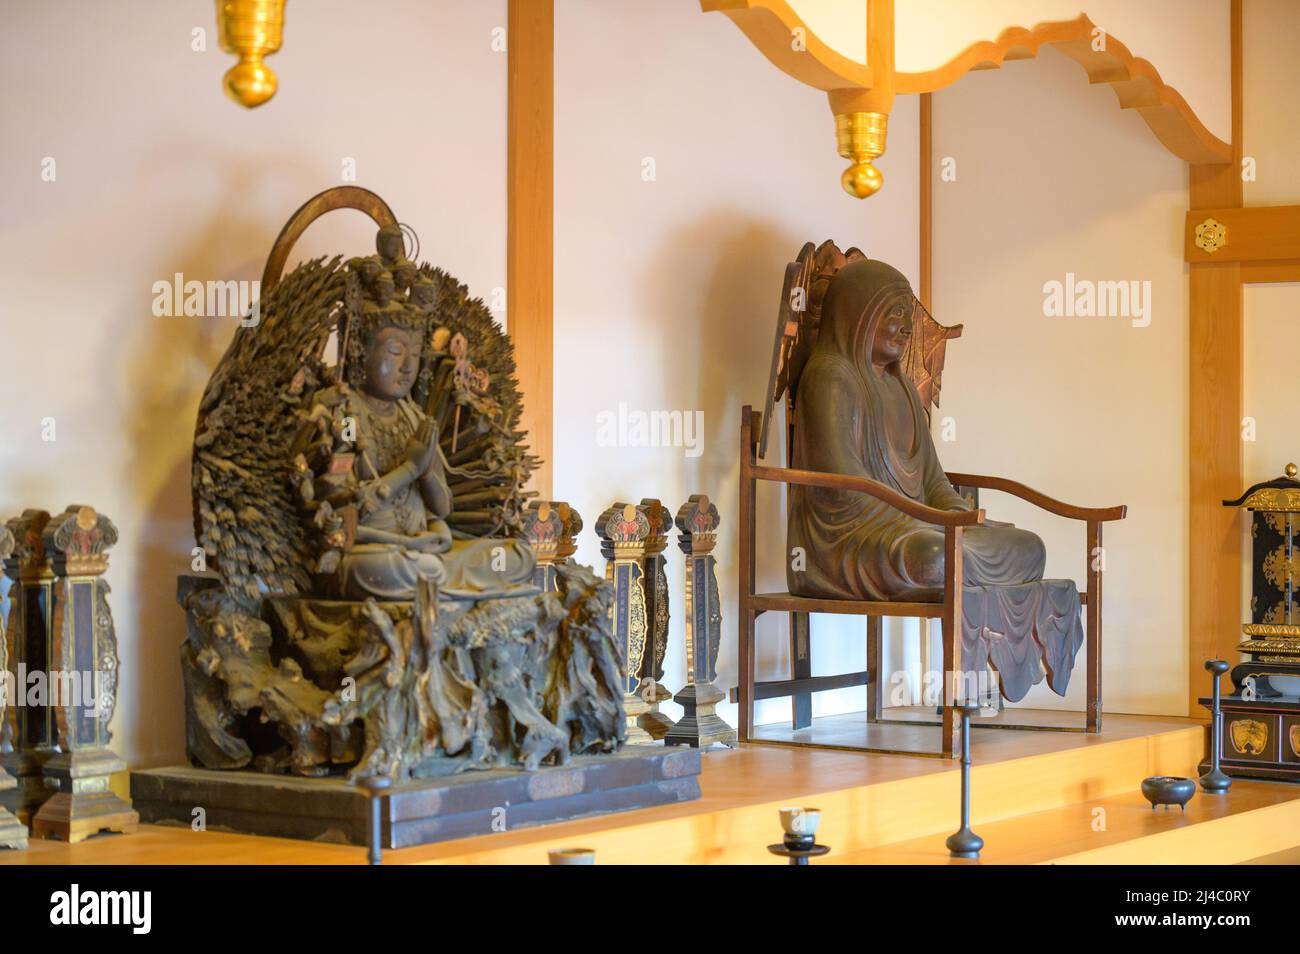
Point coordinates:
pixel 1051 177
pixel 666 291
pixel 157 172
pixel 1271 94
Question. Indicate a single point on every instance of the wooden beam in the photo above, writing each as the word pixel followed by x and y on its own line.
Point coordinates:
pixel 1258 234
pixel 530 228
pixel 927 199
pixel 785 688
pixel 1265 272
pixel 1215 470
pixel 772 26
pixel 1136 82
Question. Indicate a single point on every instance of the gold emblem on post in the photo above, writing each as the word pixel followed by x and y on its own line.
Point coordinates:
pixel 1211 235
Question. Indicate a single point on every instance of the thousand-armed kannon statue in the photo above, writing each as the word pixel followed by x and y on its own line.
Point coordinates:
pixel 358 481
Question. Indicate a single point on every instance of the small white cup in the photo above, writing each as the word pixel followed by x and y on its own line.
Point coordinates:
pixel 800 821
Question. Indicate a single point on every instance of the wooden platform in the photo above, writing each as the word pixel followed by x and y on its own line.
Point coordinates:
pixel 1036 797
pixel 915 730
pixel 419 811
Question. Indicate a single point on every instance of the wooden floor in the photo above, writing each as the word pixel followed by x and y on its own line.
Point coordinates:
pixel 1037 797
pixel 1233 829
pixel 915 730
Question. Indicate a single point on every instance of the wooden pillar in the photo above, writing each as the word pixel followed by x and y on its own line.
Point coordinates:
pixel 1215 359
pixel 926 179
pixel 530 231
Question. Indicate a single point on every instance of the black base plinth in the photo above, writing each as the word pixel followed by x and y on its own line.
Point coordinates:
pixel 422 811
pixel 1258 738
pixel 1258 672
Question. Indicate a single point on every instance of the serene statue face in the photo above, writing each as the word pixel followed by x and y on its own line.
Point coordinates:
pixel 893 335
pixel 392 363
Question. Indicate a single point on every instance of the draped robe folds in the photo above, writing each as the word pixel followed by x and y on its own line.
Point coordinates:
pixel 851 418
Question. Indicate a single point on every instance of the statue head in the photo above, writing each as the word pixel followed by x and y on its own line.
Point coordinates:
pixel 893 333
pixel 384 288
pixel 391 362
pixel 384 342
pixel 423 294
pixel 390 244
pixel 867 314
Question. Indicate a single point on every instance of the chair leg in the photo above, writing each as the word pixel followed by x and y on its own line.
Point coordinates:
pixel 746 675
pixel 1092 632
pixel 952 662
pixel 874 675
pixel 800 668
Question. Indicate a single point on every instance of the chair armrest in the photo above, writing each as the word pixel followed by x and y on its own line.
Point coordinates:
pixel 1041 501
pixel 873 488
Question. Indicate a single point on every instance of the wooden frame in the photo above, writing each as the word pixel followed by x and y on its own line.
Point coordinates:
pixel 1269 233
pixel 1215 357
pixel 530 226
pixel 953 522
pixel 871 86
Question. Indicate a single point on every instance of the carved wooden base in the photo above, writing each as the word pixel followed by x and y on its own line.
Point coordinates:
pixel 84 805
pixel 656 723
pixel 635 707
pixel 27 769
pixel 13 833
pixel 75 817
pixel 700 725
pixel 419 811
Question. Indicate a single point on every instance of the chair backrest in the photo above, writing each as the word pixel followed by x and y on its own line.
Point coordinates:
pixel 798 320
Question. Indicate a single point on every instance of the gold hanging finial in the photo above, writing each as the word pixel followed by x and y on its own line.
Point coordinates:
pixel 861 138
pixel 251 29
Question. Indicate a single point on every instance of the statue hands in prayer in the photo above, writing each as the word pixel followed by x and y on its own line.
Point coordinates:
pixel 396 478
pixel 858 413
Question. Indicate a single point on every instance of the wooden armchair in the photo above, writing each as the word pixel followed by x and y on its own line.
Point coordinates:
pixel 796 331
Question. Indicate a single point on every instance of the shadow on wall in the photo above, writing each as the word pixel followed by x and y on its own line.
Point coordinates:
pixel 717 284
pixel 167 363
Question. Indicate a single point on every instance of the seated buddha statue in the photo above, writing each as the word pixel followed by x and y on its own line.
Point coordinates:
pixel 397 479
pixel 858 413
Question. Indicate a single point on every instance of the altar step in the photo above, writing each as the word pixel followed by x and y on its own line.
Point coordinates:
pixel 869 803
pixel 1035 798
pixel 1255 821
